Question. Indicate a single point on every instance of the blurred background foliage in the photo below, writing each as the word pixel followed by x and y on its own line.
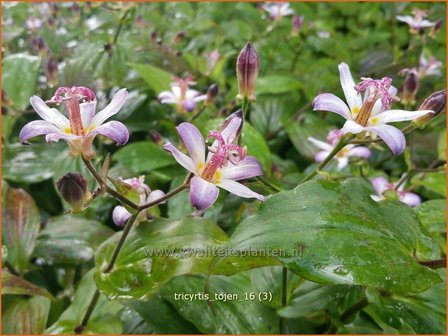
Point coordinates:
pixel 141 46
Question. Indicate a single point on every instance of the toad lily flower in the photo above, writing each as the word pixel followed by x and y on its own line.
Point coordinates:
pixel 82 125
pixel 371 114
pixel 225 164
pixel 417 22
pixel 344 154
pixel 429 66
pixel 277 10
pixel 120 214
pixel 382 185
pixel 181 95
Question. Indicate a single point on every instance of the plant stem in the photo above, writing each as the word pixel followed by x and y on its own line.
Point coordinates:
pixel 263 180
pixel 342 142
pixel 439 263
pixel 354 309
pixel 245 107
pixel 105 187
pixel 282 325
pixel 80 328
pixel 197 114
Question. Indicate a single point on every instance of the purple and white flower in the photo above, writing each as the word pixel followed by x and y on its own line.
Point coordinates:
pixel 370 114
pixel 224 165
pixel 82 124
pixel 429 66
pixel 382 185
pixel 180 95
pixel 343 155
pixel 416 22
pixel 120 214
pixel 277 10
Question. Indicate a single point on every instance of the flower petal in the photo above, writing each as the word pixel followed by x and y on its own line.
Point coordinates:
pixel 194 142
pixel 405 18
pixel 392 136
pixel 360 151
pixel 114 130
pixel 352 127
pixel 87 113
pixel 320 144
pixel 202 193
pixel 114 106
pixel 35 128
pixel 247 168
pixel 64 136
pixel 120 215
pixel 49 114
pixel 155 195
pixel 180 157
pixel 352 96
pixel 320 156
pixel 400 115
pixel 329 102
pixel 229 132
pixel 342 162
pixel 239 189
pixel 380 184
pixel 411 199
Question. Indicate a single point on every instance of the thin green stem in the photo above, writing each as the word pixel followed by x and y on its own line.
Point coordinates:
pixel 197 114
pixel 245 107
pixel 342 142
pixel 81 327
pixel 269 184
pixel 282 324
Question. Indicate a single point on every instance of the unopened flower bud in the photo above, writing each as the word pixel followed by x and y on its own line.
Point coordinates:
pixel 435 29
pixel 41 47
pixel 155 137
pixel 179 37
pixel 410 86
pixel 120 215
pixel 297 23
pixel 76 12
pixel 212 92
pixel 139 22
pixel 247 67
pixel 52 72
pixel 435 102
pixel 154 36
pixel 73 189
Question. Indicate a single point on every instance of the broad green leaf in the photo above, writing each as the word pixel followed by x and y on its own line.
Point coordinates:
pixel 12 284
pixel 25 315
pixel 159 80
pixel 433 181
pixel 257 146
pixel 21 223
pixel 299 131
pixel 311 298
pixel 70 240
pixel 161 316
pixel 126 190
pixel 424 313
pixel 143 156
pixel 103 319
pixel 333 232
pixel 38 162
pixel 432 214
pixel 238 315
pixel 276 84
pixel 19 78
pixel 441 146
pixel 155 252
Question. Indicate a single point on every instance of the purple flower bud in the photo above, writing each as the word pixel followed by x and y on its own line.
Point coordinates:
pixel 154 36
pixel 139 22
pixel 189 105
pixel 120 215
pixel 155 137
pixel 297 23
pixel 435 102
pixel 52 72
pixel 73 189
pixel 410 86
pixel 212 92
pixel 435 29
pixel 247 67
pixel 179 37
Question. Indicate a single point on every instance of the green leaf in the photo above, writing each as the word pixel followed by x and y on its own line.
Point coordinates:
pixel 432 214
pixel 152 255
pixel 235 316
pixel 25 315
pixel 159 80
pixel 333 232
pixel 441 146
pixel 424 313
pixel 19 78
pixel 12 284
pixel 29 164
pixel 21 223
pixel 70 240
pixel 103 319
pixel 257 146
pixel 126 190
pixel 143 156
pixel 276 85
pixel 433 181
pixel 161 316
pixel 308 125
